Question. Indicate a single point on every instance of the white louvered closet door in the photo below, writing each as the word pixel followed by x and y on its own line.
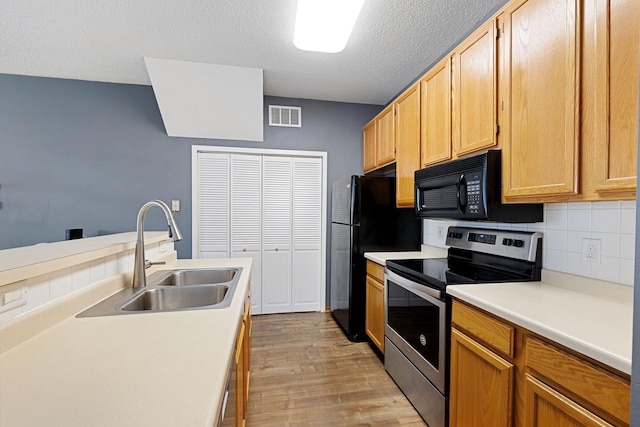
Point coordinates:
pixel 213 206
pixel 307 226
pixel 276 234
pixel 246 217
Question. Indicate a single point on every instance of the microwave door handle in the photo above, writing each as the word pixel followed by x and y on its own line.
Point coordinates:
pixel 462 193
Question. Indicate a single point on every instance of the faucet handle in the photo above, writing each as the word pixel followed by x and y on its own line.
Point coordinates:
pixel 148 263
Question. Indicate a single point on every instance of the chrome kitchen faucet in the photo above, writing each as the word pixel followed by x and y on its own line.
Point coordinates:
pixel 139 263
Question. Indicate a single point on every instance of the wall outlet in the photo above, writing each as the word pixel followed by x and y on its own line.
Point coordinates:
pixel 12 299
pixel 175 205
pixel 591 251
pixel 441 234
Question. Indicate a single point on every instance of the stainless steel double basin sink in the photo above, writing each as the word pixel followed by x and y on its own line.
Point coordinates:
pixel 173 290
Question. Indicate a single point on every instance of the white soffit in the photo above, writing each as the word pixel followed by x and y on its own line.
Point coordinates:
pixel 198 100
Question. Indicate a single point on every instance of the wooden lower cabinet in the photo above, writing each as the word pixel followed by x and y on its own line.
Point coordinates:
pixel 239 382
pixel 246 355
pixel 545 406
pixel 482 383
pixel 534 383
pixel 374 312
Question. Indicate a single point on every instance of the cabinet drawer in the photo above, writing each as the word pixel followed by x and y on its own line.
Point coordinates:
pixel 605 390
pixel 375 270
pixel 490 331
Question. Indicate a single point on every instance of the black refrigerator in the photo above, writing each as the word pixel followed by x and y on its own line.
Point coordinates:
pixel 364 218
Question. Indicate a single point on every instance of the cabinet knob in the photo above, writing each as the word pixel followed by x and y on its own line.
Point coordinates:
pixel 276 249
pixel 244 249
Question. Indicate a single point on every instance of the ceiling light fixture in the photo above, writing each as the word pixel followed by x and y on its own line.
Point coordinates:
pixel 325 25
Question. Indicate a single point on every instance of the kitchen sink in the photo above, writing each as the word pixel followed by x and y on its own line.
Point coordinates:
pixel 174 290
pixel 192 277
pixel 166 299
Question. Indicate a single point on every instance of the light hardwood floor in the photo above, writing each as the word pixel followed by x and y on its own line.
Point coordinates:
pixel 305 372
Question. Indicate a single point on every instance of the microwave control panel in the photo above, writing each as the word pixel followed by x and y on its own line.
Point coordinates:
pixel 473 186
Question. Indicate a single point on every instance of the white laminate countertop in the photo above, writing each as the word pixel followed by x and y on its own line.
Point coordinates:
pixel 151 369
pixel 425 252
pixel 594 325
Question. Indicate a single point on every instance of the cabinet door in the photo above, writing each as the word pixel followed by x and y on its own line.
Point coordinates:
pixel 546 407
pixel 246 200
pixel 246 351
pixel 408 144
pixel 211 231
pixel 385 137
pixel 475 91
pixel 369 146
pixel 612 43
pixel 435 114
pixel 374 317
pixel 246 214
pixel 307 239
pixel 481 385
pixel 276 281
pixel 240 377
pixel 276 234
pixel 541 52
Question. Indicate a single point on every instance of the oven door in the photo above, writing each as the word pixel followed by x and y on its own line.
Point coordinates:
pixel 416 323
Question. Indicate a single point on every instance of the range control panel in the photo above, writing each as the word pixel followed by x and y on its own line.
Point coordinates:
pixel 508 243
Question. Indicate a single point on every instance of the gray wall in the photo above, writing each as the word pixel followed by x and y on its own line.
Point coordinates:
pixel 76 154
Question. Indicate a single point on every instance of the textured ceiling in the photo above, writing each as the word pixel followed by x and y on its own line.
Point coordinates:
pixel 393 42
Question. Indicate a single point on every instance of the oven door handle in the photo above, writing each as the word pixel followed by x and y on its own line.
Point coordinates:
pixel 432 295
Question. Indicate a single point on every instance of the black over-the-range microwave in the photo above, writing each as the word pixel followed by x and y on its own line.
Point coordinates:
pixel 469 188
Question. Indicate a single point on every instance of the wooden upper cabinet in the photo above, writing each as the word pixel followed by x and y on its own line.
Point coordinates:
pixel 407 126
pixel 369 146
pixel 610 116
pixel 385 137
pixel 475 91
pixel 541 97
pixel 435 114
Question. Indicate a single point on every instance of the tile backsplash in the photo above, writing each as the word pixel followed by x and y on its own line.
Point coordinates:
pixel 47 288
pixel 565 226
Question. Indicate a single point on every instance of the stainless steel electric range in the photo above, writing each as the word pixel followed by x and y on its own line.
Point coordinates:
pixel 418 310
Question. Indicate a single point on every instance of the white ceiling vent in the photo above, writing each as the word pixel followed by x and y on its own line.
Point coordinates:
pixel 280 115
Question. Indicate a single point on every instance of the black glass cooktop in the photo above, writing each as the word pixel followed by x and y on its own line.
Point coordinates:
pixel 440 272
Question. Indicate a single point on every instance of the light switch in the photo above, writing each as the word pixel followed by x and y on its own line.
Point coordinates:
pixel 175 205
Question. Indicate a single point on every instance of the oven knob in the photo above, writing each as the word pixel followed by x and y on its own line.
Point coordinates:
pixel 507 242
pixel 518 243
pixel 423 340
